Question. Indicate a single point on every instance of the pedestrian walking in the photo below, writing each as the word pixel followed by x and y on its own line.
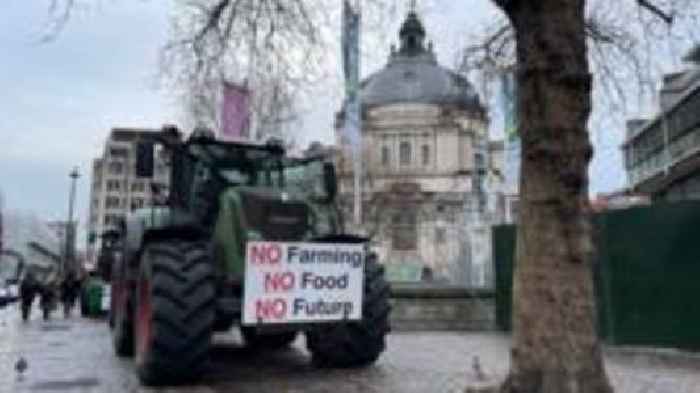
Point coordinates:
pixel 29 288
pixel 47 301
pixel 70 289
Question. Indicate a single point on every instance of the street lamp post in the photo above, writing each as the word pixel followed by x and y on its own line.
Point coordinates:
pixel 70 228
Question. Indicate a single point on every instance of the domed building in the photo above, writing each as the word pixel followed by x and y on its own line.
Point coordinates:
pixel 426 159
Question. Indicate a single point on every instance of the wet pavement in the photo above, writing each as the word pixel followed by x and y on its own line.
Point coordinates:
pixel 75 355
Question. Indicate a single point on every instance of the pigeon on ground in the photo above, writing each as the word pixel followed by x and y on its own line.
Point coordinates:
pixel 476 367
pixel 21 366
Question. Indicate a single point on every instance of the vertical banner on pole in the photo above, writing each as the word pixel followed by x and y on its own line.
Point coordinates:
pixel 353 118
pixel 509 91
pixel 235 112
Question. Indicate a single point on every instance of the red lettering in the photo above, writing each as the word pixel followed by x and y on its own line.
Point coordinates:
pixel 261 254
pixel 270 309
pixel 279 282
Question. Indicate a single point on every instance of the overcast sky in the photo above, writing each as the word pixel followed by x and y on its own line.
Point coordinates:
pixel 59 100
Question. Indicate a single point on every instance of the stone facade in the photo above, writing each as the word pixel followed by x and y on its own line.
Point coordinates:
pixel 116 190
pixel 428 166
pixel 662 155
pixel 441 308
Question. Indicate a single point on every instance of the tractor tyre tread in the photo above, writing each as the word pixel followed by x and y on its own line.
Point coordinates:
pixel 357 343
pixel 183 305
pixel 122 333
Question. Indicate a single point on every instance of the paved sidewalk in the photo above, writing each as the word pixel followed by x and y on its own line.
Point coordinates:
pixel 76 356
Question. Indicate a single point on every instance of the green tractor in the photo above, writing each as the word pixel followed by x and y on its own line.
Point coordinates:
pixel 246 237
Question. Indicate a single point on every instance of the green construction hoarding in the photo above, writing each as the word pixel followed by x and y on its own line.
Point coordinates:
pixel 647 275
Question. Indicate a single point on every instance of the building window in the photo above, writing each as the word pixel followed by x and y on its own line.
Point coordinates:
pixel 113 185
pixel 116 168
pixel 405 234
pixel 385 156
pixel 118 152
pixel 137 187
pixel 440 235
pixel 426 154
pixel 405 153
pixel 137 203
pixel 112 202
pixel 112 220
pixel 480 161
pixel 514 211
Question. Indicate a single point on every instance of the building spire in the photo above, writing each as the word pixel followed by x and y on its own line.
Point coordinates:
pixel 413 6
pixel 412 33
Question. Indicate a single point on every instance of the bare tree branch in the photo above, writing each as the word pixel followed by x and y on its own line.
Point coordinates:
pixel 625 50
pixel 59 15
pixel 666 17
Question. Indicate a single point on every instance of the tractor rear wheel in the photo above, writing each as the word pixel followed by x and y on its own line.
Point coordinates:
pixel 256 340
pixel 357 343
pixel 122 319
pixel 175 312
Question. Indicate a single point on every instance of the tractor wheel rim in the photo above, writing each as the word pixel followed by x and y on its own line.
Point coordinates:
pixel 144 321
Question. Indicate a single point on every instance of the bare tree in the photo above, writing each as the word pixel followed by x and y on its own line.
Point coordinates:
pixel 280 49
pixel 630 44
pixel 273 47
pixel 555 345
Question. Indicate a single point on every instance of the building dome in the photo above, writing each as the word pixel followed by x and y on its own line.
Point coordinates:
pixel 413 75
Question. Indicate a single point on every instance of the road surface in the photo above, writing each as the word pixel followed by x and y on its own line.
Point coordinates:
pixel 75 355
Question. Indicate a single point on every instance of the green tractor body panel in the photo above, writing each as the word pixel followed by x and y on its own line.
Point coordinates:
pixel 264 214
pixel 229 236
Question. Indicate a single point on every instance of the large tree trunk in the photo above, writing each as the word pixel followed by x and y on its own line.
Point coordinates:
pixel 555 343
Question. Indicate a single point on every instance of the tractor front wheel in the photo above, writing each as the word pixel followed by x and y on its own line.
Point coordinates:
pixel 358 343
pixel 175 312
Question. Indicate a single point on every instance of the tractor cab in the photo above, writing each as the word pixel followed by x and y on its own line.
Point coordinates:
pixel 206 173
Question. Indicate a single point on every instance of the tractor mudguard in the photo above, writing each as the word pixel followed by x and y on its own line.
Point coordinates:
pixel 158 222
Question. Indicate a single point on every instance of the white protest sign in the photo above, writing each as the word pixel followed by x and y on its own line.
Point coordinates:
pixel 302 282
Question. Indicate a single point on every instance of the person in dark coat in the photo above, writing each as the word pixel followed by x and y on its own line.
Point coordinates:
pixel 47 301
pixel 70 290
pixel 29 288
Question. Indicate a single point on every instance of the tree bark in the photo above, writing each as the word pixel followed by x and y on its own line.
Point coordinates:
pixel 555 342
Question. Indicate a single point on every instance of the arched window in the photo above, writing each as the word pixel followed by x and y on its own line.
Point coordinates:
pixel 480 161
pixel 386 157
pixel 405 153
pixel 425 155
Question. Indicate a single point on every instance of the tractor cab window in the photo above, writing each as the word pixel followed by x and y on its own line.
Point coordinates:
pixel 305 179
pixel 242 165
pixel 235 176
